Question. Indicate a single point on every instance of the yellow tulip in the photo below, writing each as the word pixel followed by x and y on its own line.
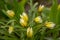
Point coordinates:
pixel 24 16
pixel 49 24
pixel 40 8
pixel 29 32
pixel 23 22
pixel 38 19
pixel 10 13
pixel 10 29
pixel 59 7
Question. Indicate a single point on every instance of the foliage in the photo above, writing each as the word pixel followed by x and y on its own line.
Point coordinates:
pixel 13 28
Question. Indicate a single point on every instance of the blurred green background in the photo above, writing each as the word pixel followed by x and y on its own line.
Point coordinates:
pixel 50 12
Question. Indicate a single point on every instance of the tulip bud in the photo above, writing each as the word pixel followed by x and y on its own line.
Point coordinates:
pixel 40 8
pixel 58 7
pixel 38 19
pixel 24 16
pixel 23 23
pixel 10 29
pixel 49 24
pixel 29 32
pixel 10 13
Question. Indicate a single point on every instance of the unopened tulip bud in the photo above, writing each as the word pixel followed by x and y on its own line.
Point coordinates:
pixel 49 25
pixel 58 7
pixel 23 23
pixel 40 8
pixel 38 19
pixel 24 16
pixel 10 13
pixel 29 32
pixel 11 29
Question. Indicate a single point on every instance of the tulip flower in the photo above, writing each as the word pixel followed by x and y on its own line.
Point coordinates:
pixel 10 29
pixel 23 22
pixel 10 13
pixel 58 7
pixel 49 24
pixel 24 16
pixel 29 32
pixel 38 19
pixel 40 8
